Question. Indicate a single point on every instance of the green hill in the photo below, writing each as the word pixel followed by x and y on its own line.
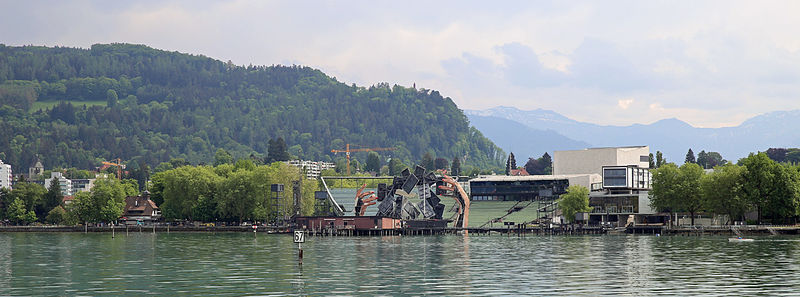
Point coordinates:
pixel 163 105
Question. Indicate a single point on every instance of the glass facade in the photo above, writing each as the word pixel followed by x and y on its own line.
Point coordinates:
pixel 517 190
pixel 629 177
pixel 614 177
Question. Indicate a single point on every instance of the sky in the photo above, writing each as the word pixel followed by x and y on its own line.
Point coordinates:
pixel 709 63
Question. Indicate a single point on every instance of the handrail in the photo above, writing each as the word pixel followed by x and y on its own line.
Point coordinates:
pixel 337 209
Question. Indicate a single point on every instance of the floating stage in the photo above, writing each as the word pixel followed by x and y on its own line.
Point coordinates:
pixel 368 225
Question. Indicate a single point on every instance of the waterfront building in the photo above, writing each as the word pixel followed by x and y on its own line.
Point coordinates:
pixel 6 176
pixel 140 209
pixel 63 183
pixel 623 196
pixel 592 160
pixel 312 169
pixel 525 188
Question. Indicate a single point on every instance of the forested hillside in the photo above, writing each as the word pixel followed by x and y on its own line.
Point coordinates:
pixel 148 106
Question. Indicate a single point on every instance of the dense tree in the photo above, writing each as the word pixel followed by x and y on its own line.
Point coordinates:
pixel 373 163
pixel 722 191
pixel 182 187
pixel 440 163
pixel 229 194
pixel 710 160
pixel 759 180
pixel 574 201
pixel 104 202
pixel 540 166
pixel 396 167
pixel 111 98
pixel 32 195
pixel 187 106
pixel 665 181
pixel 52 198
pixel 660 160
pixel 690 157
pixel 677 189
pixel 56 216
pixel 688 189
pixel 793 156
pixel 651 162
pixel 777 154
pixel 455 167
pixel 277 151
pixel 222 157
pixel 427 161
pixel 19 214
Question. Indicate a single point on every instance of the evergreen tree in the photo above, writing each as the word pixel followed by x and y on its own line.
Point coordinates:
pixel 702 159
pixel 440 163
pixel 547 163
pixel 427 161
pixel 651 162
pixel 690 157
pixel 660 161
pixel 511 163
pixel 53 196
pixel 277 151
pixel 111 98
pixel 395 167
pixel 455 167
pixel 373 162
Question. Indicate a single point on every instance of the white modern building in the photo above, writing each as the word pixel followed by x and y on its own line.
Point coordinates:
pixel 63 183
pixel 6 177
pixel 592 160
pixel 312 169
pixel 623 196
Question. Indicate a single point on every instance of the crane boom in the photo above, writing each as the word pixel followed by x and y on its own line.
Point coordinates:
pixel 118 165
pixel 348 150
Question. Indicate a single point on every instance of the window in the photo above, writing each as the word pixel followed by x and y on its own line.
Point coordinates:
pixel 614 177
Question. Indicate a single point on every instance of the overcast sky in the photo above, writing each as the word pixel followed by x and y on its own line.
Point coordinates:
pixel 710 64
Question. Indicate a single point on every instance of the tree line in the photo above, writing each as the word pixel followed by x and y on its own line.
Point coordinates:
pixel 756 183
pixel 31 203
pixel 231 192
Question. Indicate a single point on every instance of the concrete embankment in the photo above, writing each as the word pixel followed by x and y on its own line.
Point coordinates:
pixel 134 228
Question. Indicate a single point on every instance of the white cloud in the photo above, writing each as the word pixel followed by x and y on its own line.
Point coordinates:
pixel 708 63
pixel 625 103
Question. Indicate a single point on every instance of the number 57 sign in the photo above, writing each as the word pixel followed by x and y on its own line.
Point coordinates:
pixel 299 236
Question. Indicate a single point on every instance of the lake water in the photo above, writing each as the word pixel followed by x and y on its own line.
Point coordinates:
pixel 453 265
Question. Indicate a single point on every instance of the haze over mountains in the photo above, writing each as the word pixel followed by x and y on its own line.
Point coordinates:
pixel 547 130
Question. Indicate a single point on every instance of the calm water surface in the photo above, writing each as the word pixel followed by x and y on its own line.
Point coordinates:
pixel 244 264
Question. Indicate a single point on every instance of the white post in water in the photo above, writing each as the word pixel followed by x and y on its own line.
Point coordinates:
pixel 299 238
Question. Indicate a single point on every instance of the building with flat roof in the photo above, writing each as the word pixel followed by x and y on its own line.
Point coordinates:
pixel 63 183
pixel 6 176
pixel 592 160
pixel 312 169
pixel 623 197
pixel 525 188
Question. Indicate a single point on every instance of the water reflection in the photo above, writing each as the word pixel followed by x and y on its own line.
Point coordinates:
pixel 244 264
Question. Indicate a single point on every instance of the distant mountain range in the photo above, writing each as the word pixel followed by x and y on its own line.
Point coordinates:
pixel 546 130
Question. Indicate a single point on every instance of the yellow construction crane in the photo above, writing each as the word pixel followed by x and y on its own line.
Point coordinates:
pixel 118 165
pixel 347 151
